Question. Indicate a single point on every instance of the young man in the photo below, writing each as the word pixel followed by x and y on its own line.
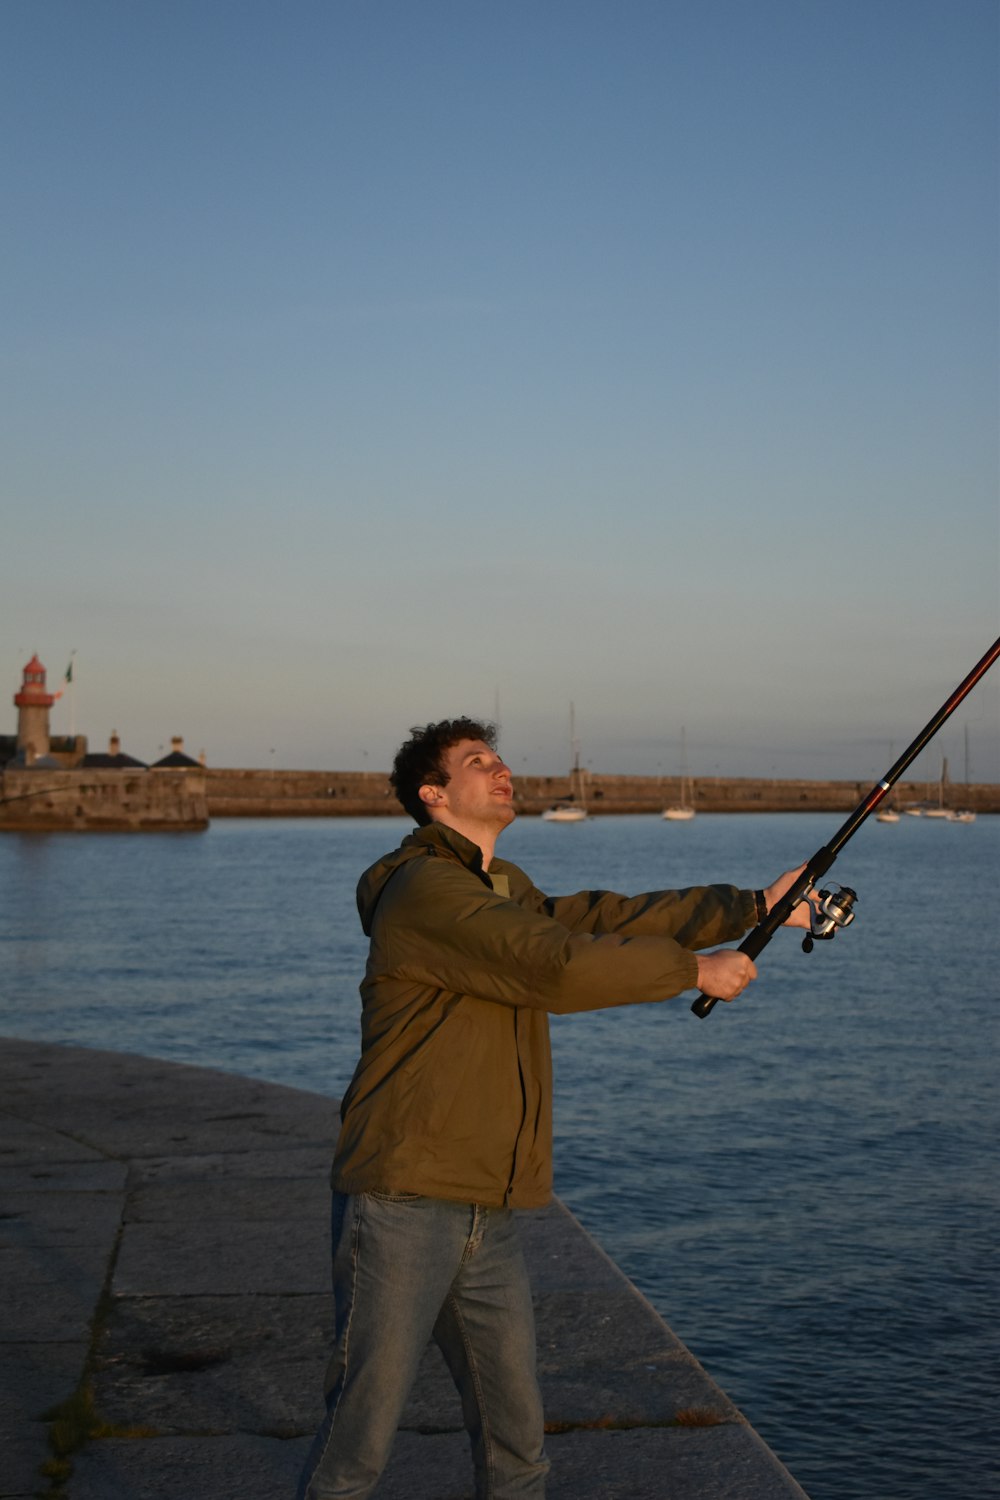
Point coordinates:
pixel 447 1123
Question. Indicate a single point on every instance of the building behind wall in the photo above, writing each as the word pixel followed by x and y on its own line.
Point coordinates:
pixel 33 745
pixel 51 783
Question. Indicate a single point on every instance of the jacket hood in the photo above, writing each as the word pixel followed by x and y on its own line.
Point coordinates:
pixel 433 841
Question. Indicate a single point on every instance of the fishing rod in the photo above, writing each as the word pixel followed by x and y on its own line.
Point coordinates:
pixel 835 908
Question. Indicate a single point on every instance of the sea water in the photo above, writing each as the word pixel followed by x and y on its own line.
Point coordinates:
pixel 804 1183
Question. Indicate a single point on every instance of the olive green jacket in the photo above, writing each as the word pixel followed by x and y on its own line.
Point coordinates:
pixel 452 1097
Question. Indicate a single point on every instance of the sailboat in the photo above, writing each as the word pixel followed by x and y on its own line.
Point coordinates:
pixel 682 811
pixel 965 814
pixel 565 812
pixel 887 813
pixel 575 809
pixel 940 811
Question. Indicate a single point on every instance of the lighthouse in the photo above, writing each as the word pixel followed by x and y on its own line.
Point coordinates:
pixel 33 704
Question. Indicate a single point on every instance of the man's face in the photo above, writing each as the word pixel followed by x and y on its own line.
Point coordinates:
pixel 479 793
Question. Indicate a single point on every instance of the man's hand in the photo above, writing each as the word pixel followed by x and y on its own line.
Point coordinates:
pixel 773 894
pixel 724 974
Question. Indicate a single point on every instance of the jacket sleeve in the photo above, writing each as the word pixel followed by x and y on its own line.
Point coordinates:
pixel 439 925
pixel 698 917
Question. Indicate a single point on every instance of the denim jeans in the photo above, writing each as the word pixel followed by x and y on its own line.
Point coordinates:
pixel 405 1269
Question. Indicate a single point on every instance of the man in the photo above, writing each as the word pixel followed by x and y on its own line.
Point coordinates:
pixel 447 1123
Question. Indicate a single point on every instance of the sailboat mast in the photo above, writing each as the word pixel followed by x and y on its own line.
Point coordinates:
pixel 966 758
pixel 576 774
pixel 684 768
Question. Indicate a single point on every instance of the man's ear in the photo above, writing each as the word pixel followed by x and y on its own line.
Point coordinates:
pixel 431 795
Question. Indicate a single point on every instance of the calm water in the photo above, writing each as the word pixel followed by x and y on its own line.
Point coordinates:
pixel 804 1183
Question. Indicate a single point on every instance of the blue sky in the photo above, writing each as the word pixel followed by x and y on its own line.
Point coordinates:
pixel 365 363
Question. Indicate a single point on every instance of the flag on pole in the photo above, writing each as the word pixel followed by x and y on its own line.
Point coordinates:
pixel 67 681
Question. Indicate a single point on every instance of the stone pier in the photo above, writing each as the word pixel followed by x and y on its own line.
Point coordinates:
pixel 165 1318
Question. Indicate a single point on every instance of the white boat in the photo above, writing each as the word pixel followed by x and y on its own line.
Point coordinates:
pixel 682 811
pixel 575 809
pixel 887 813
pixel 965 814
pixel 565 812
pixel 940 811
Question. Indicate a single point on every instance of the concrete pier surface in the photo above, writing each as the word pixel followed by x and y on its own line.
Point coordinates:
pixel 165 1314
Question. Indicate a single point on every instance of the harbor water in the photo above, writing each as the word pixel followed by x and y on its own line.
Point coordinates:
pixel 804 1183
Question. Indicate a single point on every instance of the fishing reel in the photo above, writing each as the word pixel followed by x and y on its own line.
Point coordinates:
pixel 834 909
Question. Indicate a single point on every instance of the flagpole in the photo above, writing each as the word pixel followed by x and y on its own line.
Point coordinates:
pixel 72 696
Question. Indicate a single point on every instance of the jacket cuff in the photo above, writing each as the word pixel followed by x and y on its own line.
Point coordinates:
pixel 753 908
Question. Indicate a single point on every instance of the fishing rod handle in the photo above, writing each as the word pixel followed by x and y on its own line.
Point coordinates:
pixel 752 944
pixel 756 941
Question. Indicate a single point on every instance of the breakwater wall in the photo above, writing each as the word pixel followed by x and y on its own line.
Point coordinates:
pixel 94 800
pixel 331 794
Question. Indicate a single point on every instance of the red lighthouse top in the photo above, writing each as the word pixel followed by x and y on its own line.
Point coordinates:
pixel 33 694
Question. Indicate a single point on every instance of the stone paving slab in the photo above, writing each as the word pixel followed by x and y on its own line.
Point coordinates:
pixel 246 1199
pixel 284 1160
pixel 680 1464
pixel 205 1257
pixel 200 1200
pixel 58 1218
pixel 186 1362
pixel 183 1364
pixel 95 1174
pixel 241 1466
pixel 561 1261
pixel 50 1295
pixel 34 1376
pixel 697 1463
pixel 160 1108
pixel 626 1367
pixel 24 1143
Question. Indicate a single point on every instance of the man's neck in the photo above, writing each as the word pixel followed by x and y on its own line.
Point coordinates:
pixel 485 838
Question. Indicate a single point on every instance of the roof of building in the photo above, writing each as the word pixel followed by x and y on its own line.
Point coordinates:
pixel 101 760
pixel 20 762
pixel 175 759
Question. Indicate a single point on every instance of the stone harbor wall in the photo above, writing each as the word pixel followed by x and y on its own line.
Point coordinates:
pixel 182 800
pixel 103 801
pixel 331 794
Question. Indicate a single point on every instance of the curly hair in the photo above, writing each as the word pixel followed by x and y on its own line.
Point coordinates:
pixel 420 760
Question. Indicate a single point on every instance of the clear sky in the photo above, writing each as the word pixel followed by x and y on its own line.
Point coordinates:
pixel 371 361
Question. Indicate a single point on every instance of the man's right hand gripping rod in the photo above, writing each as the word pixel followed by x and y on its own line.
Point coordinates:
pixel 757 940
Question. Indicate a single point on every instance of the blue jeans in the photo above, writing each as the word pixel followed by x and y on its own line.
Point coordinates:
pixel 405 1269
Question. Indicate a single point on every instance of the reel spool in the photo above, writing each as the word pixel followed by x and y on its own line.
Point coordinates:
pixel 834 909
